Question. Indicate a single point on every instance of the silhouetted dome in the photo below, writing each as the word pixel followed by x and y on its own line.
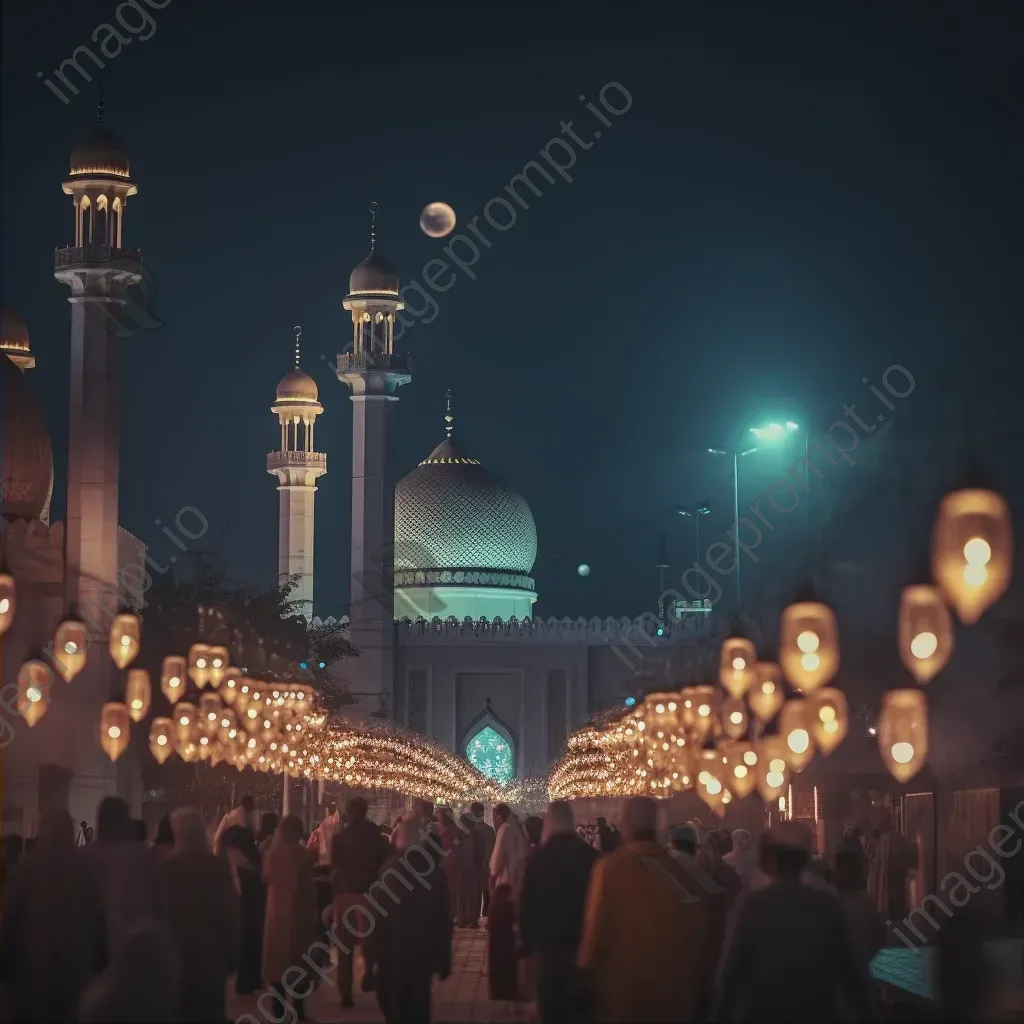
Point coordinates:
pixel 14 340
pixel 27 466
pixel 298 385
pixel 100 152
pixel 374 274
pixel 450 513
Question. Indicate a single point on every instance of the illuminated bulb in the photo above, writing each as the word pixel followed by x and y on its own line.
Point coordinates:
pixel 978 551
pixel 200 663
pixel 136 704
pixel 114 732
pixel 161 740
pixel 924 645
pixel 703 777
pixel 704 710
pixel 739 664
pixel 807 641
pixel 975 575
pixel 798 741
pixel 5 605
pixel 736 717
pixel 777 765
pixel 70 647
pixel 775 779
pixel 126 641
pixel 714 787
pixel 768 687
pixel 33 695
pixel 810 662
pixel 903 753
pixel 827 713
pixel 750 758
pixel 831 726
pixel 740 771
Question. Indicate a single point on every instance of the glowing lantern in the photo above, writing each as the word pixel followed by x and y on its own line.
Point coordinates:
pixel 137 694
pixel 115 724
pixel 34 681
pixel 926 631
pixel 699 711
pixel 125 637
pixel 740 766
pixel 253 717
pixel 772 768
pixel 161 739
pixel 209 713
pixel 737 666
pixel 766 696
pixel 70 643
pixel 199 664
pixel 184 718
pixel 710 787
pixel 663 735
pixel 8 601
pixel 232 686
pixel 227 726
pixel 795 724
pixel 734 717
pixel 809 645
pixel 903 733
pixel 972 550
pixel 172 677
pixel 220 662
pixel 830 717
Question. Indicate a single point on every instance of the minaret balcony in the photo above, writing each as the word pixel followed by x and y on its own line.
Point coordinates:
pixel 369 362
pixel 291 460
pixel 93 255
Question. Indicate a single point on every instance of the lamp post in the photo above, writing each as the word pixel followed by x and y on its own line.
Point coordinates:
pixel 694 514
pixel 736 454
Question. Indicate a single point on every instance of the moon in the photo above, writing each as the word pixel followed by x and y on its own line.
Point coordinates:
pixel 437 220
pixel 584 569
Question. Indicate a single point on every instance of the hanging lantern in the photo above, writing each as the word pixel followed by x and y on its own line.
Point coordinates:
pixel 795 724
pixel 70 643
pixel 772 768
pixel 710 788
pixel 734 717
pixel 184 718
pixel 125 637
pixel 926 631
pixel 740 766
pixel 253 716
pixel 172 677
pixel 115 724
pixel 199 664
pixel 737 666
pixel 209 713
pixel 137 694
pixel 8 601
pixel 227 727
pixel 243 697
pixel 229 691
pixel 220 662
pixel 767 695
pixel 700 711
pixel 161 739
pixel 34 681
pixel 809 645
pixel 830 718
pixel 663 735
pixel 903 733
pixel 972 550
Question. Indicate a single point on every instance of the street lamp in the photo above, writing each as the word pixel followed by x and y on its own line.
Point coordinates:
pixel 695 514
pixel 736 456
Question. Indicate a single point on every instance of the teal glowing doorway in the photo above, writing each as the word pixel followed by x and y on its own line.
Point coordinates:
pixel 492 755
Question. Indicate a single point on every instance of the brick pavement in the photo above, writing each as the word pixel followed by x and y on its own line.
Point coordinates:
pixel 462 997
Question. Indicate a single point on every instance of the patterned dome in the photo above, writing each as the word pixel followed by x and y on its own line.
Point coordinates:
pixel 26 472
pixel 450 513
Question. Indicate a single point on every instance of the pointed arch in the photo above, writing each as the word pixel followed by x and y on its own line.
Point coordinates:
pixel 490 746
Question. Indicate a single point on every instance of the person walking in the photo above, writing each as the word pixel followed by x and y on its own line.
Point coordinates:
pixel 238 845
pixel 414 936
pixel 791 922
pixel 643 946
pixel 265 834
pixel 204 918
pixel 608 838
pixel 291 922
pixel 358 852
pixel 555 883
pixel 742 858
pixel 244 815
pixel 457 864
pixel 478 884
pixel 865 921
pixel 506 866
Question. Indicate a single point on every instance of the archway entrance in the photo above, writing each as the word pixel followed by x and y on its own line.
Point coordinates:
pixel 492 754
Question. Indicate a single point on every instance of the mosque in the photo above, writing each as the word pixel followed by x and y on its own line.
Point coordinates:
pixel 443 608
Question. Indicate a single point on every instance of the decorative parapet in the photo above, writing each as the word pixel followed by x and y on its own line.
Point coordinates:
pixel 461 578
pixel 360 362
pixel 86 255
pixel 309 460
pixel 644 628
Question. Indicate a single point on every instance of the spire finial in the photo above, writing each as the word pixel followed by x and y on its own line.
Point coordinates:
pixel 449 419
pixel 298 334
pixel 373 227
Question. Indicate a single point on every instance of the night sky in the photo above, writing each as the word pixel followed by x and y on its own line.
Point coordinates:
pixel 795 200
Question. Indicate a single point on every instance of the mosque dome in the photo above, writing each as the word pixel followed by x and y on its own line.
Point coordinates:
pixel 14 340
pixel 100 152
pixel 451 514
pixel 26 472
pixel 374 275
pixel 297 386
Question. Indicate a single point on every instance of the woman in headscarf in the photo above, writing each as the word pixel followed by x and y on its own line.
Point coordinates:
pixel 238 846
pixel 291 918
pixel 742 858
pixel 141 983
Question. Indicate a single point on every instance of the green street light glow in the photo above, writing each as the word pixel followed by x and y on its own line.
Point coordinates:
pixel 774 431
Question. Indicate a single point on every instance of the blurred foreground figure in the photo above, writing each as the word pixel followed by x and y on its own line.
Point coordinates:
pixel 551 910
pixel 203 910
pixel 477 897
pixel 51 932
pixel 789 927
pixel 742 858
pixel 238 847
pixel 645 930
pixel 414 940
pixel 141 984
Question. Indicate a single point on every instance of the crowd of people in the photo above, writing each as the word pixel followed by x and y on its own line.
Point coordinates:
pixel 589 921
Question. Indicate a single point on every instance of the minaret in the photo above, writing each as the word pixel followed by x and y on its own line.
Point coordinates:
pixel 373 373
pixel 98 270
pixel 297 467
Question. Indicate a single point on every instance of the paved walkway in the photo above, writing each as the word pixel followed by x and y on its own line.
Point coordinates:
pixel 461 997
